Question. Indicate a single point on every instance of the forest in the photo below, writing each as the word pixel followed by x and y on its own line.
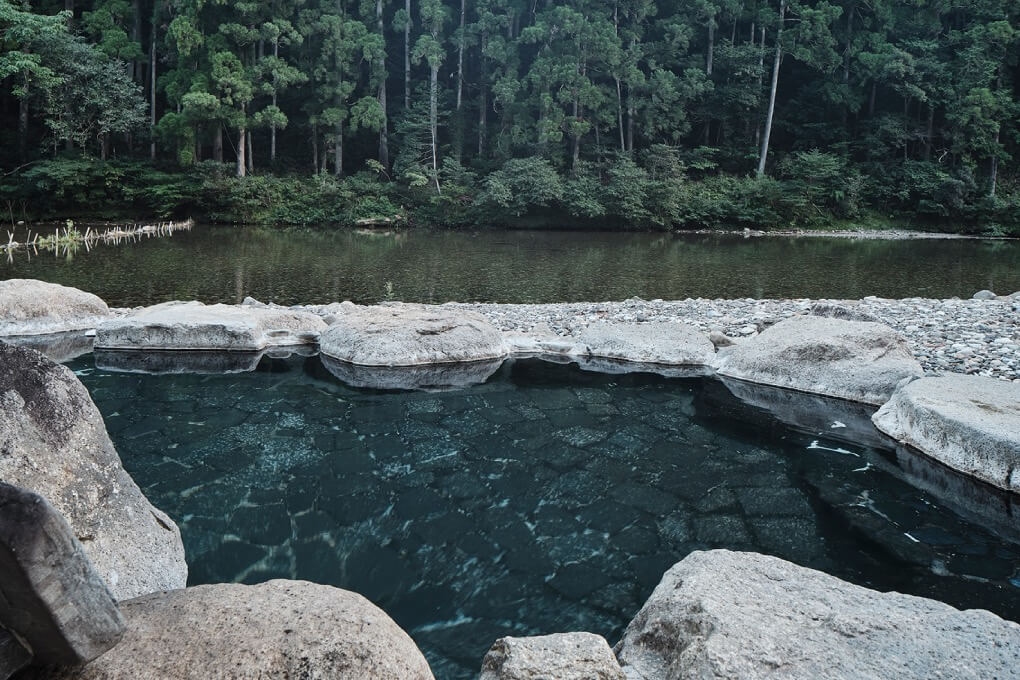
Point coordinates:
pixel 611 113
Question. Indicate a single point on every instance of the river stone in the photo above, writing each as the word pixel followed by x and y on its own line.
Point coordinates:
pixel 195 326
pixel 30 307
pixel 50 595
pixel 564 656
pixel 983 295
pixel 649 343
pixel 411 335
pixel 723 614
pixel 853 360
pixel 970 423
pixel 53 442
pixel 277 629
pixel 847 312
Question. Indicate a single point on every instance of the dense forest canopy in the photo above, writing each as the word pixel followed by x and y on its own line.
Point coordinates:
pixel 653 112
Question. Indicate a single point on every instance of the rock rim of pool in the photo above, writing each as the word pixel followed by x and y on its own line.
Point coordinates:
pixel 724 614
pixel 969 423
pixel 53 441
pixel 275 629
pixel 196 326
pixel 31 307
pixel 855 360
pixel 396 335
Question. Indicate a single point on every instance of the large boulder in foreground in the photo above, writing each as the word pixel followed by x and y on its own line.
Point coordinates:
pixel 411 335
pixel 565 656
pixel 30 307
pixel 672 344
pixel 854 360
pixel 195 326
pixel 50 595
pixel 53 442
pixel 723 614
pixel 278 629
pixel 970 423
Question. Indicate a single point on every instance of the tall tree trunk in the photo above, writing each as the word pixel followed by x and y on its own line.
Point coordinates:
pixel 772 91
pixel 761 75
pixel 619 113
pixel 434 122
pixel 250 154
pixel 241 144
pixel 846 59
pixel 407 57
pixel 272 126
pixel 384 131
pixel 708 72
pixel 483 103
pixel 315 149
pixel 995 167
pixel 929 131
pixel 136 36
pixel 338 149
pixel 152 88
pixel 871 99
pixel 460 53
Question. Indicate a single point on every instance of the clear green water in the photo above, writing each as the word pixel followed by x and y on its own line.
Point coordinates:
pixel 548 499
pixel 296 266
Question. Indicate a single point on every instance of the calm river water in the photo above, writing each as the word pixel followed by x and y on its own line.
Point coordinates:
pixel 291 266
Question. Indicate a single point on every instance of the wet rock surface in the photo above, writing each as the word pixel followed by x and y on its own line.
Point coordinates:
pixel 194 326
pixel 855 360
pixel 50 595
pixel 970 423
pixel 564 656
pixel 653 343
pixel 53 442
pixel 723 614
pixel 273 630
pixel 30 307
pixel 411 335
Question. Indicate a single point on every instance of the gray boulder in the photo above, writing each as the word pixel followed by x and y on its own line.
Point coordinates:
pixel 30 307
pixel 156 362
pixel 50 595
pixel 565 656
pixel 650 343
pixel 847 312
pixel 853 360
pixel 278 629
pixel 195 326
pixel 983 295
pixel 53 442
pixel 970 423
pixel 723 614
pixel 411 335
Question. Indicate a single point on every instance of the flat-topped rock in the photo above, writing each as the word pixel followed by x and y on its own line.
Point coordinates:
pixel 53 442
pixel 50 595
pixel 195 326
pixel 427 377
pixel 30 307
pixel 723 614
pixel 970 423
pixel 411 335
pixel 672 344
pixel 278 629
pixel 564 656
pixel 855 360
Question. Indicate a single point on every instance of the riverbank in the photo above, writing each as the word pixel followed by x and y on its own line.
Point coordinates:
pixel 979 337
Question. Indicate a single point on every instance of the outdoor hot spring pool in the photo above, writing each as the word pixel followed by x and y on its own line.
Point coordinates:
pixel 548 499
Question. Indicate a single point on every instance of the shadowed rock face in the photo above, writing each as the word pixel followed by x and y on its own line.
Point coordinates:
pixel 50 595
pixel 723 614
pixel 565 656
pixel 411 335
pixel 53 442
pixel 194 326
pixel 60 347
pixel 278 629
pixel 429 377
pixel 655 343
pixel 854 360
pixel 970 423
pixel 30 307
